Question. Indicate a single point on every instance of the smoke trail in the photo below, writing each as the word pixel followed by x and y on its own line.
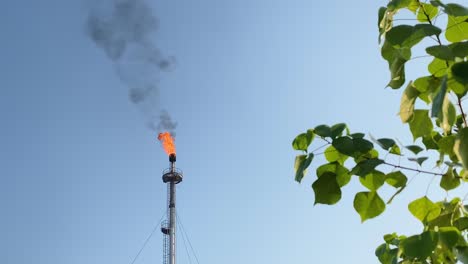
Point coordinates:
pixel 123 29
pixel 166 123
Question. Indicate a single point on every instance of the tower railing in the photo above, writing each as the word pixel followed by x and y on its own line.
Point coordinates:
pixel 165 230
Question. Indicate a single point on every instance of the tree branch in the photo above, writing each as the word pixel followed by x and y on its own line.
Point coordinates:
pixel 462 112
pixel 416 170
pixel 446 62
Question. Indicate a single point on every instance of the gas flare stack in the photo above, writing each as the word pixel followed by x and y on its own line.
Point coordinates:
pixel 171 176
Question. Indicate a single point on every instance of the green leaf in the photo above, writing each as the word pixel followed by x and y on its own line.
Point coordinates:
pixel 397 48
pixel 413 6
pixel 387 255
pixel 408 36
pixel 337 130
pixel 439 98
pixel 301 164
pixel 430 141
pixel 396 57
pixel 427 86
pixel 428 9
pixel 448 115
pixel 442 52
pixel 420 246
pixel 323 131
pixel 461 223
pixel 457 28
pixel 391 239
pixel 449 236
pixel 389 145
pixel 415 149
pixel 447 53
pixel 459 49
pixel 357 135
pixel 446 145
pixel 326 189
pixel 407 103
pixel 344 145
pixel 332 155
pixel 454 9
pixel 397 70
pixel 381 15
pixel 352 146
pixel 453 164
pixel 424 209
pixel 438 67
pixel 366 166
pixel 460 72
pixel 419 160
pixel 385 21
pixel 461 147
pixel 362 145
pixel 399 34
pixel 421 124
pixel 385 143
pixel 373 154
pixel 395 150
pixel 449 212
pixel 464 176
pixel 459 89
pixel 396 179
pixel 368 205
pixel 449 181
pixel 373 181
pixel 436 3
pixel 342 174
pixel 398 4
pixel 302 141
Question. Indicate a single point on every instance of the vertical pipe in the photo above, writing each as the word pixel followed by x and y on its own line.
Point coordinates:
pixel 172 219
pixel 172 225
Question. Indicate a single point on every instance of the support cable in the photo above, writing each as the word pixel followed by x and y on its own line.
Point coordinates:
pixel 157 225
pixel 185 244
pixel 188 239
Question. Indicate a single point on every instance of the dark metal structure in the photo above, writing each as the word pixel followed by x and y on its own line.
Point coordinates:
pixel 171 176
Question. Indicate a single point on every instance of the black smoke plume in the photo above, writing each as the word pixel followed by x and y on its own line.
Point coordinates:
pixel 124 30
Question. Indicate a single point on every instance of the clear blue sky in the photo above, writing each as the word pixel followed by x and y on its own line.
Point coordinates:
pixel 81 174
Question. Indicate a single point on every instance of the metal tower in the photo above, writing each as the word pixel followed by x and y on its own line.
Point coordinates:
pixel 171 176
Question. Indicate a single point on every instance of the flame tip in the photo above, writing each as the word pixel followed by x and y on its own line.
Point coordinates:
pixel 167 142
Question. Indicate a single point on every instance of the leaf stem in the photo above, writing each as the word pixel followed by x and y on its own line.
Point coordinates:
pixel 395 194
pixel 430 22
pixel 324 145
pixel 412 169
pixel 462 112
pixel 419 57
pixel 429 185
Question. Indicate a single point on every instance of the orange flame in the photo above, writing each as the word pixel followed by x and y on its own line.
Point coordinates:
pixel 167 142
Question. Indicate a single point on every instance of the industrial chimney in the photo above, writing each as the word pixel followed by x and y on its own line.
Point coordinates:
pixel 171 176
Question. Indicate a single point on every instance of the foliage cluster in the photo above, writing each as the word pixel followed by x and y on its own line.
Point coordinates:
pixel 440 126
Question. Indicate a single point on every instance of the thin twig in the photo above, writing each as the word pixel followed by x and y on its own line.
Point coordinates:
pixel 324 145
pixel 462 112
pixel 422 56
pixel 412 169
